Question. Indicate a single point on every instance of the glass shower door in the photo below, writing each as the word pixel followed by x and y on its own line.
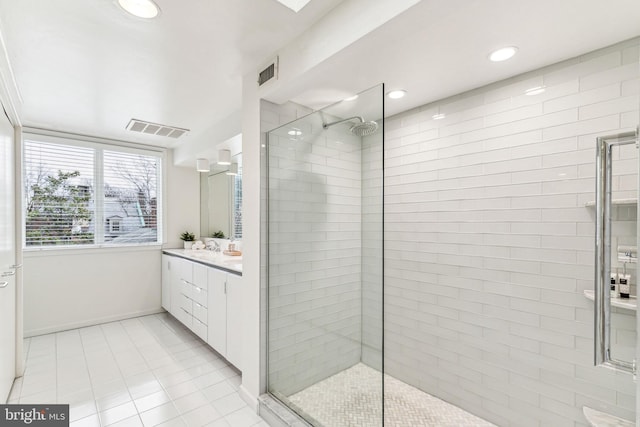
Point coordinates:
pixel 325 263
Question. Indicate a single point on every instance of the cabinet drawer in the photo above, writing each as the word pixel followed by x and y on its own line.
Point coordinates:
pixel 199 328
pixel 186 288
pixel 184 317
pixel 186 304
pixel 200 312
pixel 186 270
pixel 199 295
pixel 200 276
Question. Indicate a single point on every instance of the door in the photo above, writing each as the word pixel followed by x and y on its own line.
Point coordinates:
pixel 166 282
pixel 217 310
pixel 176 268
pixel 7 259
pixel 234 320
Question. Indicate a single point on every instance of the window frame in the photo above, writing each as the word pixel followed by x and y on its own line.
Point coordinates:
pixel 99 145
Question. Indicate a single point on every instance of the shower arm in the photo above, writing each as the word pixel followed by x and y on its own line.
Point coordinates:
pixel 328 125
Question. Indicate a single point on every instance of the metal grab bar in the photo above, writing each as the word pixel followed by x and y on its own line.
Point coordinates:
pixel 602 292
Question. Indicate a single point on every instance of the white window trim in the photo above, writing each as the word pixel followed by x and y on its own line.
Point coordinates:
pixel 99 144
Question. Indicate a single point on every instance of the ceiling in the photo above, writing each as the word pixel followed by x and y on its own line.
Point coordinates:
pixel 86 66
pixel 439 49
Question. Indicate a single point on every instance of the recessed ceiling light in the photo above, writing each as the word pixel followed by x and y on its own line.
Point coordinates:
pixel 351 98
pixel 141 8
pixel 295 132
pixel 535 90
pixel 397 94
pixel 503 54
pixel 294 5
pixel 438 116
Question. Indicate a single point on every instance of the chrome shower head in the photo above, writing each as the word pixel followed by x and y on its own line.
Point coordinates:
pixel 364 128
pixel 359 129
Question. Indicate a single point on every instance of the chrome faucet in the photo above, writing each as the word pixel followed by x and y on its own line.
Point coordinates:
pixel 214 246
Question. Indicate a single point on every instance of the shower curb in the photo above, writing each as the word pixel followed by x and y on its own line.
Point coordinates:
pixel 278 415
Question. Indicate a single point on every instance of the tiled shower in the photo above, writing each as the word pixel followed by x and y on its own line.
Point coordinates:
pixel 488 246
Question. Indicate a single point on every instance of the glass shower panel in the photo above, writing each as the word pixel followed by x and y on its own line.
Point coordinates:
pixel 325 263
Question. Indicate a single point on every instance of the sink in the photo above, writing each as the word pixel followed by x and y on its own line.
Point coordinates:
pixel 219 259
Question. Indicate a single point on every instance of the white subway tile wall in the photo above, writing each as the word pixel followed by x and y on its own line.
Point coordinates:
pixel 372 255
pixel 315 208
pixel 271 117
pixel 489 245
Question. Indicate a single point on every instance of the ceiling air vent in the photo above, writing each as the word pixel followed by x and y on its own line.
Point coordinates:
pixel 149 128
pixel 269 72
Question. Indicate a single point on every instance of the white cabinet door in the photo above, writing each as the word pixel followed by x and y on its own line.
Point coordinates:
pixel 175 274
pixel 234 320
pixel 166 282
pixel 7 260
pixel 217 310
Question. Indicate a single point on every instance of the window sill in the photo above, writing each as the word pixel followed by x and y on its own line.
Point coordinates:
pixel 32 252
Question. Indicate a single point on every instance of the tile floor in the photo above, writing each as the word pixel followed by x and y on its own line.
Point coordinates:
pixel 353 397
pixel 147 371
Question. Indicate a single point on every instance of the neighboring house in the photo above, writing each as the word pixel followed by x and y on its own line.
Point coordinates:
pixel 121 217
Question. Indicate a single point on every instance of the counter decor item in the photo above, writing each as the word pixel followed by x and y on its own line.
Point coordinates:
pixel 231 251
pixel 188 239
pixel 218 234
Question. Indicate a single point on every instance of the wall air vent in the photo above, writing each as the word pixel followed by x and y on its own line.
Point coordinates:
pixel 269 72
pixel 149 128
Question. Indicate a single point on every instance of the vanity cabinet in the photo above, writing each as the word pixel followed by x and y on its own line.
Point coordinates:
pixel 224 315
pixel 166 282
pixel 234 319
pixel 208 301
pixel 189 295
pixel 218 312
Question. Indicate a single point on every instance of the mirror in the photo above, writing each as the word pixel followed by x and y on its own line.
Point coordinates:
pixel 221 201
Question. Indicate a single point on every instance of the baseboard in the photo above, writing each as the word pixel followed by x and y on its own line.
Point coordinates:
pixel 248 398
pixel 90 322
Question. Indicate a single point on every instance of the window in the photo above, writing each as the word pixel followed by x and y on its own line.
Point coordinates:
pixel 114 225
pixel 87 193
pixel 237 206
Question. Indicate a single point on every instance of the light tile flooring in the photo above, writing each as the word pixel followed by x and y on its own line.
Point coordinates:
pixel 353 397
pixel 145 371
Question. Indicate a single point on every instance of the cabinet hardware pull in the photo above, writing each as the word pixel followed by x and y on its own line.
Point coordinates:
pixel 16 266
pixel 4 284
pixel 8 273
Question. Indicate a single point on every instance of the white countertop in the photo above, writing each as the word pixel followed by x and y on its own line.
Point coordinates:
pixel 232 264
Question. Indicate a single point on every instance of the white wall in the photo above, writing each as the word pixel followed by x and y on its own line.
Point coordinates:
pixel 182 202
pixel 71 288
pixel 489 245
